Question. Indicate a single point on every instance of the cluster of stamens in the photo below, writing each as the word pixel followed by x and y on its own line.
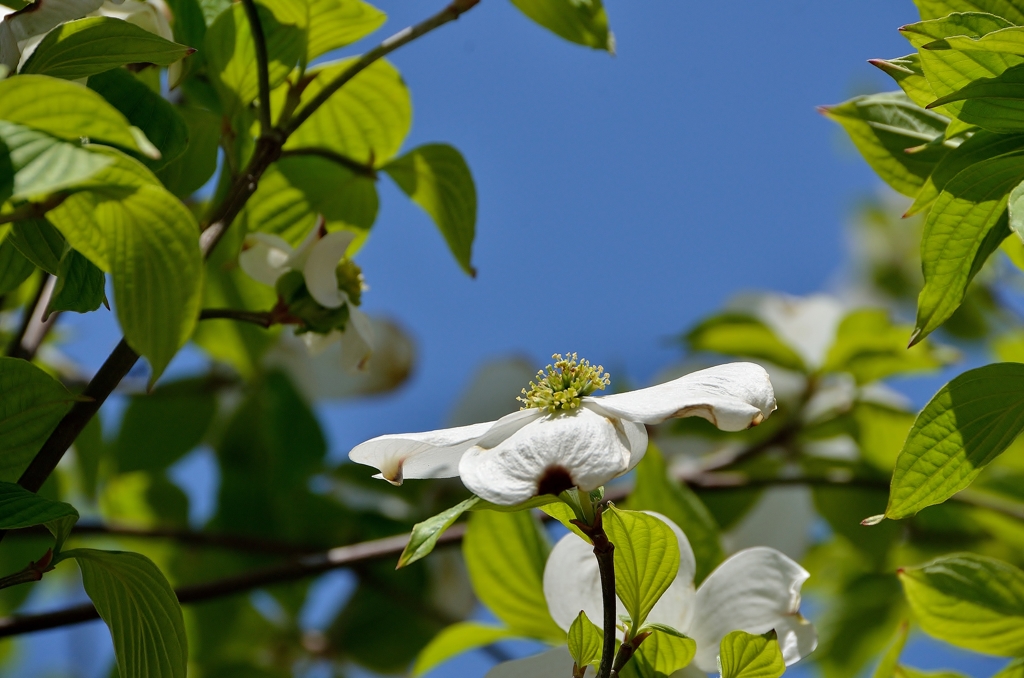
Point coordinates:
pixel 561 386
pixel 350 280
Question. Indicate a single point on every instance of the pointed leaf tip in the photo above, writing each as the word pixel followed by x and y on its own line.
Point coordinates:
pixel 916 337
pixel 873 520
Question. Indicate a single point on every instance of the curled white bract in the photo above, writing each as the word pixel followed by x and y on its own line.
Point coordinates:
pixel 534 451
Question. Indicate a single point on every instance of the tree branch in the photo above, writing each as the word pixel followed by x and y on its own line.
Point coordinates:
pixel 261 318
pixel 33 210
pixel 366 170
pixel 262 68
pixel 231 542
pixel 450 13
pixel 604 551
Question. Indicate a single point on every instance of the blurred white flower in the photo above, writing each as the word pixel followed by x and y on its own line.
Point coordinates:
pixel 755 590
pixel 320 259
pixel 806 324
pixel 564 437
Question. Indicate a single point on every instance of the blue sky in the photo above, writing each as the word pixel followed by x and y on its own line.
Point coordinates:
pixel 620 198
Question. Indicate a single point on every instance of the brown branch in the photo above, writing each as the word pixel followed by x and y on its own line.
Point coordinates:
pixel 192 538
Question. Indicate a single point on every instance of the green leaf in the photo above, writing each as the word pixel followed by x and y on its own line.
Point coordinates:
pixel 743 335
pixel 966 425
pixel 981 146
pixel 949 70
pixel 190 171
pixel 965 225
pixel 20 508
pixel 86 47
pixel 40 242
pixel 970 601
pixel 934 9
pixel 67 111
pixel 130 225
pixel 1015 210
pixel 14 267
pixel 437 179
pixel 1004 40
pixel 145 109
pixel 661 654
pixel 160 427
pixel 231 54
pixel 870 347
pixel 908 672
pixel 367 120
pixel 909 75
pixel 883 127
pixel 329 24
pixel 31 404
pixel 80 285
pixel 295 190
pixel 138 605
pixel 646 559
pixel 585 641
pixel 995 104
pixel 887 666
pixel 742 655
pixel 656 491
pixel 581 21
pixel 1014 669
pixel 456 639
pixel 505 554
pixel 425 535
pixel 44 164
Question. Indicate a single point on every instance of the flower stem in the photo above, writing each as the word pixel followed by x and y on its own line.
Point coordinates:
pixel 604 551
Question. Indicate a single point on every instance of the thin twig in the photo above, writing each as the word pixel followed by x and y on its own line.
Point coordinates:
pixel 24 343
pixel 261 318
pixel 604 551
pixel 259 41
pixel 403 37
pixel 231 542
pixel 363 169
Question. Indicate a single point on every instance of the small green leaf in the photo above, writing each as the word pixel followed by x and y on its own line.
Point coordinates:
pixel 344 124
pixel 646 559
pixel 65 110
pixel 661 654
pixel 870 347
pixel 15 268
pixel 909 75
pixel 1015 210
pixel 230 54
pixel 138 605
pixel 887 666
pixel 425 535
pixel 86 47
pixel 970 601
pixel 934 9
pixel 31 404
pixel 127 223
pixel 585 641
pixel 437 179
pixel 739 334
pixel 581 21
pixel 158 428
pixel 80 285
pixel 20 508
pixel 456 639
pixel 966 425
pixel 883 127
pixel 1004 40
pixel 40 242
pixel 656 491
pixel 329 24
pixel 564 514
pixel 742 655
pixel 995 104
pixel 965 225
pixel 145 109
pixel 505 554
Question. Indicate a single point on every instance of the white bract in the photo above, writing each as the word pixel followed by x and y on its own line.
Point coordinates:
pixel 266 257
pixel 755 590
pixel 566 438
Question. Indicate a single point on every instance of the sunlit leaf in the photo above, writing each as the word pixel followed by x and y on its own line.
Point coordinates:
pixel 661 655
pixel 40 242
pixel 743 335
pixel 909 75
pixel 80 285
pixel 43 163
pixel 996 104
pixel 425 534
pixel 581 21
pixel 887 665
pixel 742 655
pixel 456 639
pixel 15 268
pixel 646 559
pixel 934 9
pixel 585 641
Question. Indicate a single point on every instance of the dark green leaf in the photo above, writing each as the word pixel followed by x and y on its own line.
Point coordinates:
pixel 86 47
pixel 966 425
pixel 40 242
pixel 581 21
pixel 138 605
pixel 190 171
pixel 20 508
pixel 437 179
pixel 80 285
pixel 31 404
pixel 160 427
pixel 14 267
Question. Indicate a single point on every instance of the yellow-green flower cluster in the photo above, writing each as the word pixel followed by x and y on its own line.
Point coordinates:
pixel 562 385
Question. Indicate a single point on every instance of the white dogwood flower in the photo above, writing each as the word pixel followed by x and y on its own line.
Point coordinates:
pixel 755 590
pixel 330 278
pixel 564 437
